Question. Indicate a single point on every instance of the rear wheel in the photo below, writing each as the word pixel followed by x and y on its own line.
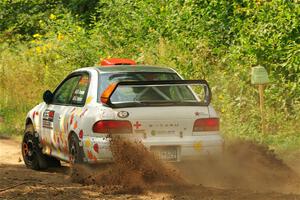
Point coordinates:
pixel 75 151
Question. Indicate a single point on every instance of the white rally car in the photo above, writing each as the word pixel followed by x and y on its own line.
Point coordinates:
pixel 170 116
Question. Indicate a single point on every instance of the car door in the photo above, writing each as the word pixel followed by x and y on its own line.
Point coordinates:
pixel 69 95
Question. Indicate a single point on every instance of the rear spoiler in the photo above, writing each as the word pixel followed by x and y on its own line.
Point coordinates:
pixel 108 92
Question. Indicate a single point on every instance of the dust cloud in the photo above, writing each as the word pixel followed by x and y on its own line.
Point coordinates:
pixel 134 170
pixel 242 165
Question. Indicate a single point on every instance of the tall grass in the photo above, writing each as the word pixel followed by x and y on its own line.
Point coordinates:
pixel 27 71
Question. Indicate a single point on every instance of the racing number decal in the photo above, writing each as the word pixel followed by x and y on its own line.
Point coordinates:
pixel 48 116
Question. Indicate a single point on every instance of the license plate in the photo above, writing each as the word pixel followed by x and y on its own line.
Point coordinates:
pixel 167 153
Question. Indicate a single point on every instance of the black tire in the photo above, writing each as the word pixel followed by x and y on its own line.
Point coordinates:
pixel 52 162
pixel 31 151
pixel 75 150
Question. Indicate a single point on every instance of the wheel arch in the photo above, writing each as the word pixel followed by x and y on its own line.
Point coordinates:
pixel 28 121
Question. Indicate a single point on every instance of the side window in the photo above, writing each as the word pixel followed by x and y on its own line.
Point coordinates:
pixel 63 94
pixel 80 92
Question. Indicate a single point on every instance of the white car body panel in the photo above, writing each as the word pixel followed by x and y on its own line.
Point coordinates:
pixel 154 126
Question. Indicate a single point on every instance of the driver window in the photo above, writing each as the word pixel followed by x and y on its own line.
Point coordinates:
pixel 64 92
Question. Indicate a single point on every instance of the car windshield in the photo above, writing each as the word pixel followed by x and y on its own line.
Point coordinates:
pixel 146 94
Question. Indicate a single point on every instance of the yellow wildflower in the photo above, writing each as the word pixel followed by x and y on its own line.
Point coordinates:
pixel 37 35
pixel 57 56
pixel 52 17
pixel 79 28
pixel 60 36
pixel 38 50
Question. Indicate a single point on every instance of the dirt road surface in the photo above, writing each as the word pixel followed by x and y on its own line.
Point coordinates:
pixel 18 182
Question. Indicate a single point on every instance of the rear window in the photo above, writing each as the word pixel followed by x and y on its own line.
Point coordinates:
pixel 141 93
pixel 108 78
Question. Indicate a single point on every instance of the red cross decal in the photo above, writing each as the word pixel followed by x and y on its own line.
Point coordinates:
pixel 137 125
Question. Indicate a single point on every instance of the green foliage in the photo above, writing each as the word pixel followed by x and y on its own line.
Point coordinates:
pixel 82 9
pixel 217 40
pixel 20 19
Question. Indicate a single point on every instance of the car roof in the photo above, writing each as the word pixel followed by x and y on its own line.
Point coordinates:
pixel 134 68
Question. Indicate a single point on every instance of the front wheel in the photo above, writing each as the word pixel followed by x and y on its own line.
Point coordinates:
pixel 31 152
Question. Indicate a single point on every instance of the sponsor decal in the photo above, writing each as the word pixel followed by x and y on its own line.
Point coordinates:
pixel 48 116
pixel 84 80
pixel 164 125
pixel 91 156
pixel 82 114
pixel 80 92
pixel 71 119
pixel 81 134
pixel 47 124
pixel 137 125
pixel 123 114
pixel 87 143
pixel 77 99
pixel 75 125
pixel 78 111
pixel 165 132
pixel 89 99
pixel 197 146
pixel 96 148
pixel 140 131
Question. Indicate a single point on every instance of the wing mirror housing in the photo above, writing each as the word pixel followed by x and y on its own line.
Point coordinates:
pixel 48 96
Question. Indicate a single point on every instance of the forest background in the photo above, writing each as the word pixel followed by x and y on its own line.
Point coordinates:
pixel 41 41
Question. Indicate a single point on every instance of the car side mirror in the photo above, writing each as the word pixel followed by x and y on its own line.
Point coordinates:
pixel 48 96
